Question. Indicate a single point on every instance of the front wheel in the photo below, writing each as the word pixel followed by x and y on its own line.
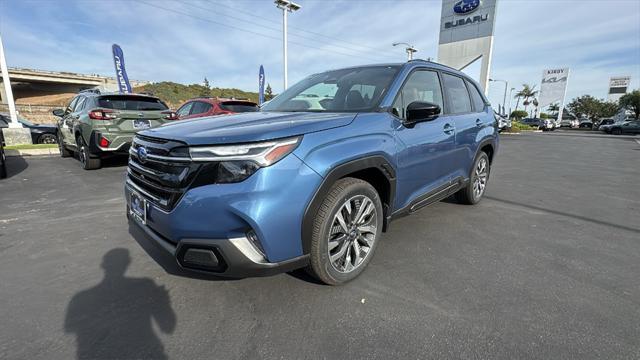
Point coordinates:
pixel 47 139
pixel 473 192
pixel 346 230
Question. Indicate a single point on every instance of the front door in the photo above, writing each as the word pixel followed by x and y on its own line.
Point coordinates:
pixel 425 149
pixel 66 123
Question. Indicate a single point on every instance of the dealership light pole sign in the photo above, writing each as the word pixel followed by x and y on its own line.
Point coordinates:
pixel 618 87
pixel 553 88
pixel 466 35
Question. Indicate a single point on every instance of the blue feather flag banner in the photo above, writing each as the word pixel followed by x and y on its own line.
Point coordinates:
pixel 261 85
pixel 121 72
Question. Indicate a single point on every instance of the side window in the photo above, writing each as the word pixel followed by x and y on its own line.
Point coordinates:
pixel 200 107
pixel 457 94
pixel 71 105
pixel 476 98
pixel 185 109
pixel 422 85
pixel 80 104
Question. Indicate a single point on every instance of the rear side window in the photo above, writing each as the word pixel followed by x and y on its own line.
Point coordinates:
pixel 238 106
pixel 200 107
pixel 457 94
pixel 128 102
pixel 185 109
pixel 476 98
pixel 80 105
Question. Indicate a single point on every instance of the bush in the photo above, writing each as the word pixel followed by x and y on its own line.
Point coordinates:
pixel 519 114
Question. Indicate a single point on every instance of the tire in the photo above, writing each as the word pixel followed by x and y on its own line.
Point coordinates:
pixel 3 164
pixel 468 195
pixel 616 131
pixel 64 152
pixel 47 139
pixel 339 264
pixel 86 160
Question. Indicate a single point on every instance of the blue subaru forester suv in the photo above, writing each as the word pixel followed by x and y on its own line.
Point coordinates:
pixel 315 177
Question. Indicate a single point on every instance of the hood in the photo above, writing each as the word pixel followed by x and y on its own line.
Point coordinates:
pixel 248 127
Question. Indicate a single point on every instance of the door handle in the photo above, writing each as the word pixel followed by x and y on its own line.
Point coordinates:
pixel 448 129
pixel 478 122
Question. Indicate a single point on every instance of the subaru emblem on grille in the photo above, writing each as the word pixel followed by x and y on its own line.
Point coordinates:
pixel 142 154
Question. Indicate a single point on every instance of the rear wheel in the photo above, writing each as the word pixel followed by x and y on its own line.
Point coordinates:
pixel 473 192
pixel 346 230
pixel 87 162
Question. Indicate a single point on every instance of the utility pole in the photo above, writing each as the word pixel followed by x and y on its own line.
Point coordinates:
pixel 286 6
pixel 504 98
pixel 409 49
pixel 7 89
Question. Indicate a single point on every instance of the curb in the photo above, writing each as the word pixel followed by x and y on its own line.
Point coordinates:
pixel 32 152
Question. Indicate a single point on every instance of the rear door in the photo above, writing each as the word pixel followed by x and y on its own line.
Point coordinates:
pixel 466 121
pixel 132 112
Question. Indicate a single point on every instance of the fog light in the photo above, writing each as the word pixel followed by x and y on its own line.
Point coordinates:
pixel 253 238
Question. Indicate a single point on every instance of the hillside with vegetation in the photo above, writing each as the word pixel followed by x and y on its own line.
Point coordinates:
pixel 175 94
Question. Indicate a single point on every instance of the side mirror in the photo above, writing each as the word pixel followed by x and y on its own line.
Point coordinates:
pixel 422 111
pixel 58 112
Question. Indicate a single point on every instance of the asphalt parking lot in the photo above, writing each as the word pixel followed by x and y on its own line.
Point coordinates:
pixel 547 266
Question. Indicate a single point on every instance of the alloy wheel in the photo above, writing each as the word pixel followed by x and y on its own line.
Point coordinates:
pixel 47 139
pixel 353 233
pixel 480 179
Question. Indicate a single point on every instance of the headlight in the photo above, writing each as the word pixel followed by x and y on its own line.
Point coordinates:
pixel 235 163
pixel 262 153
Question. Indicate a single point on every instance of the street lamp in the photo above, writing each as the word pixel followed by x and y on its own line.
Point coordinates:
pixel 286 6
pixel 506 85
pixel 409 49
pixel 510 99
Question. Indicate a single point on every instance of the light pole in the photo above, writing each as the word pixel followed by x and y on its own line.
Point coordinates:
pixel 409 49
pixel 7 90
pixel 510 99
pixel 506 85
pixel 286 6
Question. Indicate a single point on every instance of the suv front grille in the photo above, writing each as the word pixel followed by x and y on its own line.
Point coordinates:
pixel 164 174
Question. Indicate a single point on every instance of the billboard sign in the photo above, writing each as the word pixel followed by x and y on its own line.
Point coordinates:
pixel 554 87
pixel 121 72
pixel 618 86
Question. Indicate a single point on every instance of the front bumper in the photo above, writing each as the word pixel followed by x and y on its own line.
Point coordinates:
pixel 235 258
pixel 218 217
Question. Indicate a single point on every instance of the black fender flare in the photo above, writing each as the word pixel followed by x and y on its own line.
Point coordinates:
pixel 488 141
pixel 337 172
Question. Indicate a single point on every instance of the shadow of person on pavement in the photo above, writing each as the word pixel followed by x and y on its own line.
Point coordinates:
pixel 113 320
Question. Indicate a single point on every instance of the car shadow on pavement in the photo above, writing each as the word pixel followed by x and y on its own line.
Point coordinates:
pixel 15 165
pixel 165 260
pixel 113 320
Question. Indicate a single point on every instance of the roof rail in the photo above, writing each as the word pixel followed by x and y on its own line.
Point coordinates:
pixel 94 90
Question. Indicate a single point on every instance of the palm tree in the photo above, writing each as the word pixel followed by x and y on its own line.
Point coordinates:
pixel 554 108
pixel 527 93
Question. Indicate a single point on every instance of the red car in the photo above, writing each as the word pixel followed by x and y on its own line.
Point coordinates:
pixel 201 107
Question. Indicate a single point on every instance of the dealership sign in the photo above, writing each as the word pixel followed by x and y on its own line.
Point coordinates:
pixel 618 86
pixel 466 19
pixel 261 85
pixel 554 87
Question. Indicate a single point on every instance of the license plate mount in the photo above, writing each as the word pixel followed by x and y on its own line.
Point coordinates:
pixel 141 124
pixel 138 207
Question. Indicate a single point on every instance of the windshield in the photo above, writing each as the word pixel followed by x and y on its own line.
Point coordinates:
pixel 346 90
pixel 128 102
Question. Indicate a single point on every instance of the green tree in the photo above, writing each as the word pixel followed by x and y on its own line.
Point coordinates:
pixel 205 83
pixel 592 108
pixel 527 93
pixel 268 93
pixel 518 114
pixel 631 101
pixel 554 108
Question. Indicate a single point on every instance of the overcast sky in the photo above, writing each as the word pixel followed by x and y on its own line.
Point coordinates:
pixel 226 41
